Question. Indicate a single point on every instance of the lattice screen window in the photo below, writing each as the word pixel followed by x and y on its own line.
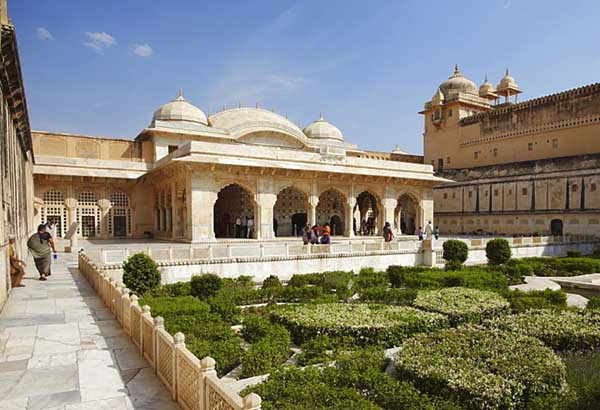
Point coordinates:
pixel 119 199
pixel 110 222
pixel 87 198
pixel 54 197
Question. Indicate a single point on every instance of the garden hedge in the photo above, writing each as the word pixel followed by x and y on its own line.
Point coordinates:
pixel 462 304
pixel 483 368
pixel 141 274
pixel 536 299
pixel 270 344
pixel 562 330
pixel 366 324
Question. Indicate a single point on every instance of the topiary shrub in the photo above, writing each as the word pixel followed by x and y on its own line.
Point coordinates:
pixel 456 251
pixel 573 253
pixel 453 266
pixel 271 282
pixel 498 251
pixel 206 285
pixel 141 274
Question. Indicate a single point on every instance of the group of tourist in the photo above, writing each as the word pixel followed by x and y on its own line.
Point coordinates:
pixel 429 232
pixel 41 247
pixel 244 227
pixel 316 235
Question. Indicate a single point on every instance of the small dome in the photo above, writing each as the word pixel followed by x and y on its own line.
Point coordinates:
pixel 438 98
pixel 321 129
pixel 180 110
pixel 508 85
pixel 487 90
pixel 456 83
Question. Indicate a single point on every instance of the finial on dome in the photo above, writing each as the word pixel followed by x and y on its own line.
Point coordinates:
pixel 506 71
pixel 485 79
pixel 180 95
pixel 321 118
pixel 456 69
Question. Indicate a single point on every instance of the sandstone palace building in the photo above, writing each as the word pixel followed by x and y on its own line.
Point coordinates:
pixel 188 177
pixel 530 167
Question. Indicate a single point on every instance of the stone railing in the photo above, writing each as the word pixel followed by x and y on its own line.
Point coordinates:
pixel 220 251
pixel 192 382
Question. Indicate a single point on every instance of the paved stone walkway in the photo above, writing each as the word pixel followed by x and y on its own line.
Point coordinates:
pixel 62 349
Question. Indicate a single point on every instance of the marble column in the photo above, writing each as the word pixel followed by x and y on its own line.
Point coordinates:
pixel 174 222
pixel 313 201
pixel 389 206
pixel 201 198
pixel 349 218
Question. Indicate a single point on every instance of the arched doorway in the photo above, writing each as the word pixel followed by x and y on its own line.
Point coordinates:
pixel 290 212
pixel 234 202
pixel 405 215
pixel 330 210
pixel 366 214
pixel 556 227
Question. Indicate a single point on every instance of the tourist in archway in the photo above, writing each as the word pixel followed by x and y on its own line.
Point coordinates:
pixel 326 235
pixel 238 227
pixel 388 234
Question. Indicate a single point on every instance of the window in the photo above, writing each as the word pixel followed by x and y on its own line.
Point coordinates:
pixel 450 113
pixel 53 197
pixel 530 146
pixel 495 152
pixel 447 160
pixel 87 198
pixel 486 193
pixel 445 195
pixel 495 192
pixel 470 194
pixel 440 163
pixel 524 191
pixel 555 143
pixel 453 195
pixel 476 154
pixel 574 188
pixel 119 199
pixel 172 148
pixel 593 186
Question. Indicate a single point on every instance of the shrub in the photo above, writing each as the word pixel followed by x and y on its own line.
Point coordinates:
pixel 206 285
pixel 563 266
pixel 462 304
pixel 271 282
pixel 573 253
pixel 396 273
pixel 224 305
pixel 270 346
pixel 141 274
pixel 355 382
pixel 469 277
pixel 206 334
pixel 562 330
pixel 300 280
pixel 593 303
pixel 482 369
pixel 497 251
pixel 536 299
pixel 583 377
pixel 516 270
pixel 366 324
pixel 455 251
pixel 388 296
pixel 369 278
pixel 453 266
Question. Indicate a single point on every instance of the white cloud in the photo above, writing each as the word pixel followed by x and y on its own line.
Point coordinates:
pixel 99 41
pixel 43 33
pixel 142 50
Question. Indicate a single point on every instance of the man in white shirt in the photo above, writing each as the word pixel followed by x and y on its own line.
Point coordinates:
pixel 428 230
pixel 238 227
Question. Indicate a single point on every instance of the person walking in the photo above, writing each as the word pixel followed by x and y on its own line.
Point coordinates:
pixel 17 266
pixel 50 228
pixel 41 246
pixel 388 235
pixel 420 233
pixel 436 232
pixel 428 230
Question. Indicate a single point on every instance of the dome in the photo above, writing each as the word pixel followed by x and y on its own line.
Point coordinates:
pixel 508 84
pixel 321 129
pixel 456 83
pixel 237 118
pixel 487 90
pixel 180 110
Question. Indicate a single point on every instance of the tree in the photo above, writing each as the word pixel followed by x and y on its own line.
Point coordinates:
pixel 498 251
pixel 455 254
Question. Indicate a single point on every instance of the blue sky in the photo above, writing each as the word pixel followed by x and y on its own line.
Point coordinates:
pixel 103 67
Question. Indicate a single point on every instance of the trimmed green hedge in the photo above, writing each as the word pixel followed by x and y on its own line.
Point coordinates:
pixel 269 346
pixel 483 368
pixel 388 296
pixel 366 324
pixel 462 304
pixel 562 330
pixel 536 299
pixel 562 266
pixel 432 278
pixel 356 382
pixel 206 333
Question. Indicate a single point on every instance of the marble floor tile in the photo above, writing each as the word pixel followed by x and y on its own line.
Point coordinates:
pixel 130 358
pixel 54 401
pixel 35 382
pixel 53 339
pixel 146 392
pixel 99 375
pixel 15 404
pixel 117 403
